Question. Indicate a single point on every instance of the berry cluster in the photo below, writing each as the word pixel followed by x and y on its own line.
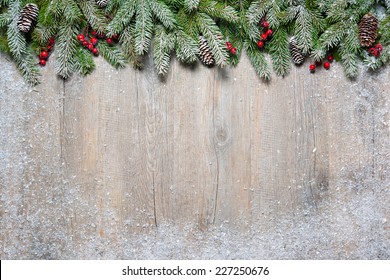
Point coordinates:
pixel 376 51
pixel 327 63
pixel 44 55
pixel 93 40
pixel 230 47
pixel 266 35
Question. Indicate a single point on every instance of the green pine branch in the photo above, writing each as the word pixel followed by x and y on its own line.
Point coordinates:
pixel 128 49
pixel 122 18
pixel 280 53
pixel 164 43
pixel 18 47
pixel 186 47
pixel 162 12
pixel 219 10
pixel 66 49
pixel 94 15
pixel 213 35
pixel 113 55
pixel 258 61
pixel 349 52
pixel 84 62
pixel 190 5
pixel 143 28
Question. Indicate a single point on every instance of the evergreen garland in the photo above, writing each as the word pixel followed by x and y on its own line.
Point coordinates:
pixel 173 27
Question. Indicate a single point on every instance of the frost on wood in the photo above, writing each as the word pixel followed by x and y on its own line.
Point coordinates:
pixel 47 214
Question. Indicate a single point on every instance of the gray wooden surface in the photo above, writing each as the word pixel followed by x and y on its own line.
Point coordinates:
pixel 92 164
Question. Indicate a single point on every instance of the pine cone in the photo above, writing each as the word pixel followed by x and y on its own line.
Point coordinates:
pixel 28 16
pixel 101 3
pixel 368 30
pixel 296 54
pixel 205 54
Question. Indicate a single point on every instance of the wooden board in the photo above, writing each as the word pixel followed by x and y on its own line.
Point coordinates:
pixel 89 162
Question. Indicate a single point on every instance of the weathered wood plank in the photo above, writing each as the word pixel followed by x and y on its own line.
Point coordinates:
pixel 94 162
pixel 32 194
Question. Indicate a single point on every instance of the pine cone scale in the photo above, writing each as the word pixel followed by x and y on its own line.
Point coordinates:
pixel 368 30
pixel 101 3
pixel 296 54
pixel 205 54
pixel 28 16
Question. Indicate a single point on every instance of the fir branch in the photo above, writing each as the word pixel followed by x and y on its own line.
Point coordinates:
pixel 280 52
pixel 94 15
pixel 255 13
pixel 164 43
pixel 16 41
pixel 188 24
pixel 374 63
pixel 162 13
pixel 236 35
pixel 70 10
pixel 84 62
pixel 258 60
pixel 42 34
pixel 122 18
pixel 219 10
pixel 56 8
pixel 213 36
pixel 5 19
pixel 24 59
pixel 304 30
pixel 113 5
pixel 190 5
pixel 349 52
pixel 273 13
pixel 113 55
pixel 128 49
pixel 143 27
pixel 329 39
pixel 67 46
pixel 186 47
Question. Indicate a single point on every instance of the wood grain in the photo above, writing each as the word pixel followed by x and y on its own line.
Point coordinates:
pixel 123 152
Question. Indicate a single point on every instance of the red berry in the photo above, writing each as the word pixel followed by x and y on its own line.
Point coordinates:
pixel 260 44
pixel 330 58
pixel 51 41
pixel 109 41
pixel 229 45
pixel 326 65
pixel 318 63
pixel 376 53
pixel 265 24
pixel 269 32
pixel 49 47
pixel 264 36
pixel 371 50
pixel 233 51
pixel 115 37
pixel 90 46
pixel 95 51
pixel 379 47
pixel 85 43
pixel 312 68
pixel 42 62
pixel 94 41
pixel 93 33
pixel 80 37
pixel 44 55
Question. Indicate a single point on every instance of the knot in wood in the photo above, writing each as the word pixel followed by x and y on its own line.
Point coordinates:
pixel 221 135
